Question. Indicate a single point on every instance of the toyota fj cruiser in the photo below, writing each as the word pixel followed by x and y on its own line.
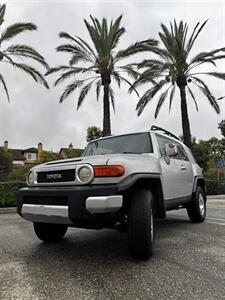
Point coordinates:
pixel 121 182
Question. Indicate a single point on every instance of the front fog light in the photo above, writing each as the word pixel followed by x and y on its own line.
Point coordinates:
pixel 85 174
pixel 30 178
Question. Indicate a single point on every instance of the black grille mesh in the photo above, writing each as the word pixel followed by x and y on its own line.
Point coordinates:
pixel 45 200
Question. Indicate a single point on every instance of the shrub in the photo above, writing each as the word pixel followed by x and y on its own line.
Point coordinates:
pixel 19 172
pixel 5 164
pixel 214 187
pixel 9 192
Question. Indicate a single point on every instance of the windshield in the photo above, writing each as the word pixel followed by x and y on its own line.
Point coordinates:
pixel 130 143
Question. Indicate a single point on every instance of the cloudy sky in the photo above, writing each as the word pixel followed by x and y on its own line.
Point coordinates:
pixel 35 115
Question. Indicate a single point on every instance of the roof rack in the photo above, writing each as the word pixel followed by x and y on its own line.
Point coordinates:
pixel 156 128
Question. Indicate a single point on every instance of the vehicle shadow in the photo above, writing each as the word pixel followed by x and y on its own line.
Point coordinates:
pixel 91 258
pixel 82 244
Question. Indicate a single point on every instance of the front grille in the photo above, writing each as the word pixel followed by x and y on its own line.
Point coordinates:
pixel 56 176
pixel 45 200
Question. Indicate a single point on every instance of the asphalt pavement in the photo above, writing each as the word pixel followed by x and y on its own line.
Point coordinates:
pixel 189 261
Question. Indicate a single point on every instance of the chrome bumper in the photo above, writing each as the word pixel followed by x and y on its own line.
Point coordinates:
pixel 104 204
pixel 46 213
pixel 58 214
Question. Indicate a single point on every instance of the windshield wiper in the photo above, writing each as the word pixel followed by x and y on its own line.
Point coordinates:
pixel 131 152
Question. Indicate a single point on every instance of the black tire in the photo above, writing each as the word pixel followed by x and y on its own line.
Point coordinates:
pixel 196 209
pixel 50 233
pixel 140 224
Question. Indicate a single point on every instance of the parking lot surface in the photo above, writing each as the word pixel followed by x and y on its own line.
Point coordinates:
pixel 189 261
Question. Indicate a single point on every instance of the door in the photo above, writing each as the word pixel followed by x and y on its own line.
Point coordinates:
pixel 174 171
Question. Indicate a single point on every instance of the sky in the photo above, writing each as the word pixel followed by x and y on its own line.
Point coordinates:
pixel 34 114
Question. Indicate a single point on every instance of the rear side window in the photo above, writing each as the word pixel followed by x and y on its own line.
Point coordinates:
pixel 181 154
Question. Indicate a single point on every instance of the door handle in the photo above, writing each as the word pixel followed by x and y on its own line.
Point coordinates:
pixel 183 167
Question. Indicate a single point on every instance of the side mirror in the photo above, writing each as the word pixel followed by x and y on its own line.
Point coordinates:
pixel 170 149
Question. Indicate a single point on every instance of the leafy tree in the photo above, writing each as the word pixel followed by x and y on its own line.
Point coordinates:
pixel 201 153
pixel 5 164
pixel 174 68
pixel 216 148
pixel 93 132
pixel 12 51
pixel 74 153
pixel 49 156
pixel 221 126
pixel 103 63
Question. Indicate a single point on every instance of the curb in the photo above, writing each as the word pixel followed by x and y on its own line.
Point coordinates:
pixel 7 210
pixel 216 197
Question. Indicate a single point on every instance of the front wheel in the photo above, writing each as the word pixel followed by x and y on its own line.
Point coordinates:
pixel 49 232
pixel 140 224
pixel 196 209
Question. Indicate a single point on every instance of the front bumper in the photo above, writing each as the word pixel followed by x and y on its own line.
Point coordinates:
pixel 69 205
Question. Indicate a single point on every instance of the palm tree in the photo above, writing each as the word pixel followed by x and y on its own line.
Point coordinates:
pixel 173 68
pixel 20 51
pixel 102 63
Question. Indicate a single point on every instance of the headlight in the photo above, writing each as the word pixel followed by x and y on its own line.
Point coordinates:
pixel 30 178
pixel 85 174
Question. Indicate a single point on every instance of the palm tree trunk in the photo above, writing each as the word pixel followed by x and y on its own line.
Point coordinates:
pixel 106 111
pixel 184 117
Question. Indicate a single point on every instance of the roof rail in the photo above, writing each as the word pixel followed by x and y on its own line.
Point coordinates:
pixel 156 128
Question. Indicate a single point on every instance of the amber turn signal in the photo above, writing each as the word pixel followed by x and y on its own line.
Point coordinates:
pixel 108 171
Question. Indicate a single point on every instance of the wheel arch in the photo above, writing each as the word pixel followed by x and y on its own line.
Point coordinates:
pixel 153 183
pixel 199 181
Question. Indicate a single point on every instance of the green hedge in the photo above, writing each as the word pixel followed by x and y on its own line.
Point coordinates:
pixel 9 192
pixel 214 187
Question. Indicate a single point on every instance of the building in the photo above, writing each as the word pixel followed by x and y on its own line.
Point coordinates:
pixel 71 151
pixel 24 156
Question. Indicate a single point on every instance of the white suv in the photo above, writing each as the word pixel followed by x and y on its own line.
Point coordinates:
pixel 121 182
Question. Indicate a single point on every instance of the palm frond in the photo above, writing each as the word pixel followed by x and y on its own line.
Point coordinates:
pixel 2 13
pixel 83 93
pixel 27 52
pixel 35 74
pixel 205 90
pixel 4 86
pixel 59 68
pixel 115 33
pixel 193 97
pixel 195 35
pixel 98 89
pixel 116 76
pixel 112 98
pixel 130 84
pixel 136 48
pixel 172 93
pixel 68 74
pixel 148 76
pixel 80 42
pixel 148 96
pixel 71 88
pixel 162 99
pixel 78 54
pixel 216 74
pixel 15 29
pixel 149 63
pixel 130 71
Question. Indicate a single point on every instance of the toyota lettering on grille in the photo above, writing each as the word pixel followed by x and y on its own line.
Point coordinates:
pixel 54 176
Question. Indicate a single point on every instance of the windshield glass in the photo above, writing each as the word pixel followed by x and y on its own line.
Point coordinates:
pixel 130 143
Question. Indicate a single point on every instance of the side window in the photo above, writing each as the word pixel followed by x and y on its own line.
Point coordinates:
pixel 162 141
pixel 181 153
